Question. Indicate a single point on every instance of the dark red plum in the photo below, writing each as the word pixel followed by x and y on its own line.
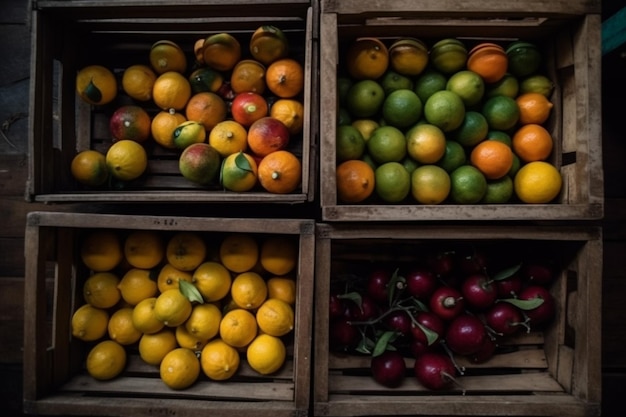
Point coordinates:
pixel 545 312
pixel 435 370
pixel 479 292
pixel 446 302
pixel 388 368
pixel 465 334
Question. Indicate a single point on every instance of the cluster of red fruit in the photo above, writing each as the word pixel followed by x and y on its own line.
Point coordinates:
pixel 449 305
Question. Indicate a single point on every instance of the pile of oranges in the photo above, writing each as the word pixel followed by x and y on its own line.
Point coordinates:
pixel 188 307
pixel 452 123
pixel 239 106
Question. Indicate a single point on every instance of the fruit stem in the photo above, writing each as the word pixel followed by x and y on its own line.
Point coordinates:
pixel 460 369
pixel 275 175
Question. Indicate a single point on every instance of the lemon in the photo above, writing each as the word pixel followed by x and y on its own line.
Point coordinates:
pixel 166 55
pixel 144 249
pixel 137 82
pixel 89 323
pixel 153 347
pixel 100 290
pixel 279 254
pixel 106 360
pixel 96 85
pixel 143 317
pixel 239 172
pixel 275 317
pixel 101 250
pixel 172 308
pixel 212 280
pixel 187 133
pixel 169 278
pixel 282 288
pixel 180 368
pixel 136 285
pixel 537 182
pixel 121 328
pixel 239 252
pixel 266 354
pixel 238 327
pixel 185 251
pixel 219 360
pixel 89 168
pixel 188 340
pixel 127 160
pixel 204 321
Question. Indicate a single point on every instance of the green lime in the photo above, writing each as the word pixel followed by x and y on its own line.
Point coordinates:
pixel 428 83
pixel 501 112
pixel 468 85
pixel 517 164
pixel 472 131
pixel 498 191
pixel 364 99
pixel 505 86
pixel 500 136
pixel 445 110
pixel 393 182
pixel 349 143
pixel 448 55
pixel 536 84
pixel 402 108
pixel 468 185
pixel 524 58
pixel 410 164
pixel 392 81
pixel 343 85
pixel 367 158
pixel 343 117
pixel 454 156
pixel 430 184
pixel 387 144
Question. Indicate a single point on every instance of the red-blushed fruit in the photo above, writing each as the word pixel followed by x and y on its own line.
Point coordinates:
pixel 446 302
pixel 434 370
pixel 442 263
pixel 343 336
pixel 478 291
pixel 200 163
pixel 538 274
pixel 248 107
pixel 546 311
pixel 130 122
pixel 420 283
pixel 388 368
pixel 377 282
pixel 431 322
pixel 267 135
pixel 465 334
pixel 366 311
pixel 400 321
pixel 504 318
pixel 336 307
pixel 509 287
pixel 485 352
pixel 472 262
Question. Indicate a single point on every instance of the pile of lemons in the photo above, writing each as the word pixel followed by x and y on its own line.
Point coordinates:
pixel 188 307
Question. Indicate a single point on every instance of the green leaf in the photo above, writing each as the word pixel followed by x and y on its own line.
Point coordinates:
pixel 383 342
pixel 93 92
pixel 242 162
pixel 353 296
pixel 365 345
pixel 190 291
pixel 524 304
pixel 419 304
pixel 506 273
pixel 431 336
pixel 392 286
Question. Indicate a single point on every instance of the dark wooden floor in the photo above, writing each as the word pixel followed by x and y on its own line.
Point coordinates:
pixel 14 84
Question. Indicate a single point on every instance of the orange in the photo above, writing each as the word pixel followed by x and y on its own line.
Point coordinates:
pixel 163 125
pixel 355 181
pixel 167 56
pixel 532 142
pixel 101 250
pixel 239 172
pixel 239 252
pixel 290 112
pixel 169 277
pixel 137 82
pixel 171 90
pixel 367 58
pixel 248 290
pixel 489 61
pixel 89 168
pixel 533 108
pixel 279 254
pixel 221 51
pixel 285 78
pixel 248 75
pixel 207 108
pixel 238 328
pixel 186 250
pixel 228 137
pixel 127 160
pixel 494 159
pixel 96 85
pixel 408 56
pixel 282 288
pixel 537 182
pixel 426 143
pixel 280 172
pixel 144 249
pixel 197 51
pixel 130 122
pixel 268 43
pixel 430 184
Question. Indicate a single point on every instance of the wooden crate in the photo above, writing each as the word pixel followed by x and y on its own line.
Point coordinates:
pixel 569 35
pixel 554 372
pixel 68 35
pixel 55 380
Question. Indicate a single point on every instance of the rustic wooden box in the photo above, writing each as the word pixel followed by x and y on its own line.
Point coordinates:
pixel 554 372
pixel 55 382
pixel 68 35
pixel 568 32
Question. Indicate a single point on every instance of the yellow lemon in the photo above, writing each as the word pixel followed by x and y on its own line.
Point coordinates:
pixel 100 290
pixel 171 90
pixel 89 323
pixel 204 321
pixel 144 318
pixel 275 317
pixel 212 280
pixel 169 277
pixel 186 251
pixel 248 290
pixel 96 84
pixel 137 82
pixel 136 285
pixel 153 347
pixel 266 354
pixel 127 160
pixel 282 288
pixel 239 172
pixel 101 250
pixel 166 56
pixel 537 182
pixel 279 255
pixel 180 368
pixel 219 360
pixel 238 327
pixel 121 328
pixel 188 340
pixel 106 360
pixel 172 308
pixel 144 249
pixel 89 168
pixel 239 252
